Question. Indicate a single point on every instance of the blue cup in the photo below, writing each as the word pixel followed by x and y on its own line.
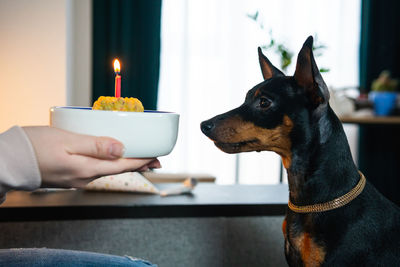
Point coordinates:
pixel 384 103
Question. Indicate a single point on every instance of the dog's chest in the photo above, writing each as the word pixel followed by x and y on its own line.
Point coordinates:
pixel 301 247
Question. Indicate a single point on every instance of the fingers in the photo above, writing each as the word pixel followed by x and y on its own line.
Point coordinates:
pixel 72 160
pixel 94 146
pixel 155 164
pixel 97 167
pixel 123 165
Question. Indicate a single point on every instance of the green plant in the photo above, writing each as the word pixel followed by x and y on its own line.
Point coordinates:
pixel 281 49
pixel 384 83
pixel 285 54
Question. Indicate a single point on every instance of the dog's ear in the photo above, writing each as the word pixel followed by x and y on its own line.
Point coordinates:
pixel 307 75
pixel 268 70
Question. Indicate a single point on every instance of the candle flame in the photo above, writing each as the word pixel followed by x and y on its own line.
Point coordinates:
pixel 117 66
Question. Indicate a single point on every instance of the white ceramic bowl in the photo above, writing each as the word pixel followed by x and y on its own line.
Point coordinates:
pixel 144 134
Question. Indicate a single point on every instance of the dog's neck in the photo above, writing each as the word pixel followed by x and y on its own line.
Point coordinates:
pixel 322 167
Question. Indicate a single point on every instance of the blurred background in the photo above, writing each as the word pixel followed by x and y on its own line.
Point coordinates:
pixel 197 58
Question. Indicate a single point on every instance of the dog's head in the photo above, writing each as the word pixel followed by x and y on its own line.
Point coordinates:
pixel 275 112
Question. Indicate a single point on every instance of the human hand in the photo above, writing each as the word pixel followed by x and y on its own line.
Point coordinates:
pixel 68 160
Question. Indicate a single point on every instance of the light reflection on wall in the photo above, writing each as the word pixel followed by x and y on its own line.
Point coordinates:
pixel 32 60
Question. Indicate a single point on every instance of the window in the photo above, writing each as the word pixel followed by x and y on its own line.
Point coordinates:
pixel 209 61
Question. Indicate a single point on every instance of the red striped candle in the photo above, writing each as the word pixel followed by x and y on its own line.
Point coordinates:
pixel 117 69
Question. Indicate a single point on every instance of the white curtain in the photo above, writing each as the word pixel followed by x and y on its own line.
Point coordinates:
pixel 209 61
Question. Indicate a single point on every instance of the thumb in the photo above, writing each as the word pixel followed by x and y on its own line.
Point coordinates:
pixel 96 147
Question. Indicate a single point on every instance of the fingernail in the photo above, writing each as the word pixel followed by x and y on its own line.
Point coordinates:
pixel 117 150
pixel 158 166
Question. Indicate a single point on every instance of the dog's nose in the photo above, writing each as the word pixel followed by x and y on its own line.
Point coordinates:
pixel 206 126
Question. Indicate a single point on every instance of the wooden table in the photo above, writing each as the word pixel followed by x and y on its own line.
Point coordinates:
pixel 207 200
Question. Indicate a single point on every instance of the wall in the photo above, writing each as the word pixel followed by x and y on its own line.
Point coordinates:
pixel 32 60
pixel 79 51
pixel 45 55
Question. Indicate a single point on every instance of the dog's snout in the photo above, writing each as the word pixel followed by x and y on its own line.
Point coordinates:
pixel 207 126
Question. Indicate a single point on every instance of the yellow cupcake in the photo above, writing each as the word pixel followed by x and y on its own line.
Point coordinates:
pixel 119 104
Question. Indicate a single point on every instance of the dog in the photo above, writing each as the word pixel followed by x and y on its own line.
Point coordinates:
pixel 334 216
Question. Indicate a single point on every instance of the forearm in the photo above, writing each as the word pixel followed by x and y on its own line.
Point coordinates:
pixel 18 165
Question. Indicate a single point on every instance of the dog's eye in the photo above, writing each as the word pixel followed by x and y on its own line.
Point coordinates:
pixel 264 102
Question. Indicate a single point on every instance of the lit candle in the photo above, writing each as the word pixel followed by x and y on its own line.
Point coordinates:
pixel 117 69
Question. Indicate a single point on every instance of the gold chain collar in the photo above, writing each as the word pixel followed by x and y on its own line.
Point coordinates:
pixel 333 204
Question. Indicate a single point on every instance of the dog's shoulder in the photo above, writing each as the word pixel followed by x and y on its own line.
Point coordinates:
pixel 372 234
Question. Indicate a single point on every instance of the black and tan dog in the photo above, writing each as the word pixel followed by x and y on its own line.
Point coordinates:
pixel 334 217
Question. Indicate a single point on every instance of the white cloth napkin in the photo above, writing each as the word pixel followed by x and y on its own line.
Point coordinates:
pixel 124 182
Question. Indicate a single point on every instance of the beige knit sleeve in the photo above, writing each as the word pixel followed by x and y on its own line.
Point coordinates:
pixel 19 169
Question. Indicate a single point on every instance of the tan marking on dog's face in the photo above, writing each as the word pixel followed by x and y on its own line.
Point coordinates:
pixel 233 135
pixel 311 253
